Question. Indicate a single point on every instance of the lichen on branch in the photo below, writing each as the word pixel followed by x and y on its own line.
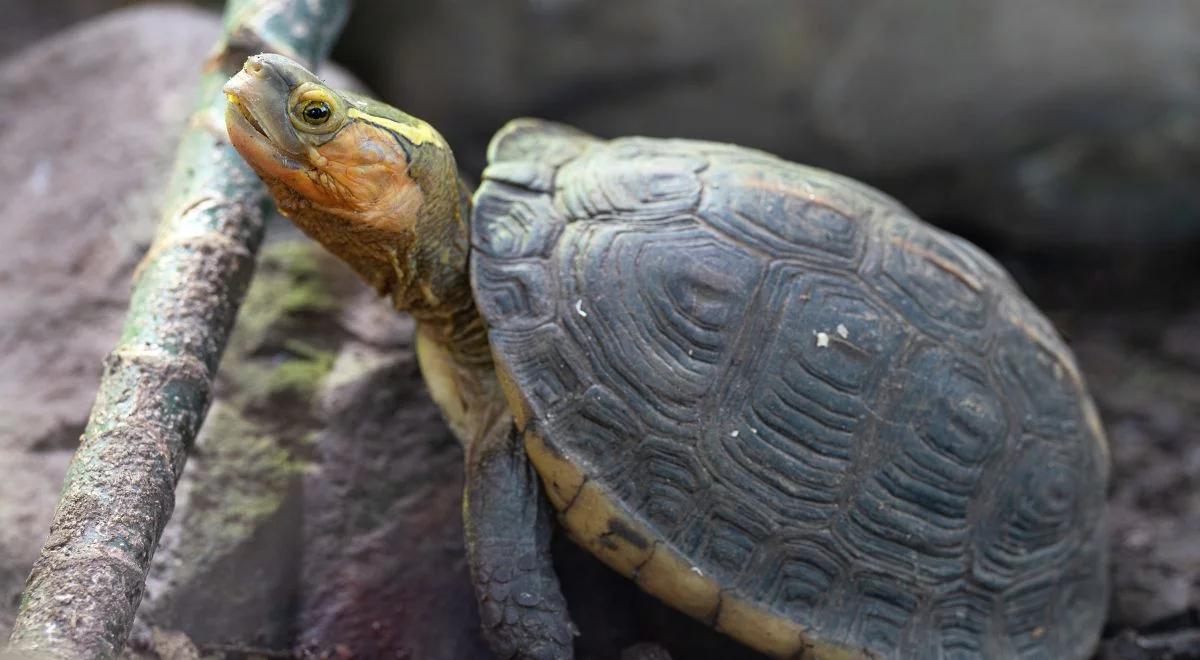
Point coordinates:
pixel 84 589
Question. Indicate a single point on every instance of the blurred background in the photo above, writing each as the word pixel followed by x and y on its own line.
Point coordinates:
pixel 1063 137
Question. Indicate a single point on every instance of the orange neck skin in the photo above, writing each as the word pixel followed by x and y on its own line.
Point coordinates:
pixel 398 219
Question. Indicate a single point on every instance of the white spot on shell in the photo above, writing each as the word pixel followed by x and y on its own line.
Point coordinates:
pixel 733 433
pixel 822 340
pixel 697 571
pixel 842 331
pixel 579 308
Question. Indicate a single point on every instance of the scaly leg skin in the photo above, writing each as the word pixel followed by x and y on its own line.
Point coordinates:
pixel 507 524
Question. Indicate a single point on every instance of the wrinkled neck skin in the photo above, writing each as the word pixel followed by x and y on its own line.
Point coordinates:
pixel 421 265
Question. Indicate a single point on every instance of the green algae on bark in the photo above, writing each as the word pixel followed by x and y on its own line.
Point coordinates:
pixel 83 590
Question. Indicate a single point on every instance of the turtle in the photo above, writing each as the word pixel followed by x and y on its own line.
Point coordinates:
pixel 768 394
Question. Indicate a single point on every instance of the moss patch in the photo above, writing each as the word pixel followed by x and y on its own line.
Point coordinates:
pixel 294 282
pixel 242 476
pixel 287 335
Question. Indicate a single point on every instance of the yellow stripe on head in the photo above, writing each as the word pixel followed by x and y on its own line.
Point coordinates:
pixel 418 134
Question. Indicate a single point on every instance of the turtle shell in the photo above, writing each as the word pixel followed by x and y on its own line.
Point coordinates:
pixel 786 406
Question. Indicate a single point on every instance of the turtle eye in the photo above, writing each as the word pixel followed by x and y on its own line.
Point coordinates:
pixel 316 112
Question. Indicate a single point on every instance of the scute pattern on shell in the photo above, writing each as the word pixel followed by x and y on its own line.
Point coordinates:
pixel 839 412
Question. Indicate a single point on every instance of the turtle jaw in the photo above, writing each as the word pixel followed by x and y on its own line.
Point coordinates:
pixel 258 98
pixel 235 105
pixel 255 146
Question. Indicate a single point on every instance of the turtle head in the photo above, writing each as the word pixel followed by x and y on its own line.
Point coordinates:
pixel 374 185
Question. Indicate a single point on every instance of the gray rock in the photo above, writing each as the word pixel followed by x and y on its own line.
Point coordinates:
pixel 1150 403
pixel 1063 122
pixel 81 175
pixel 101 107
pixel 26 22
pixel 83 172
pixel 384 567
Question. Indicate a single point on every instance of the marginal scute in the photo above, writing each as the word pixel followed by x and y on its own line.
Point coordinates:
pixel 776 636
pixel 727 538
pixel 667 575
pixel 788 408
pixel 886 610
pixel 801 575
pixel 589 518
pixel 562 479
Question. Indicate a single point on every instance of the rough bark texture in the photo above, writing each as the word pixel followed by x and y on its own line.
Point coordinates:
pixel 85 587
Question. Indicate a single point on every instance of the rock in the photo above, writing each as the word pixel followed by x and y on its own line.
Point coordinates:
pixel 1051 123
pixel 86 164
pixel 28 495
pixel 83 169
pixel 384 566
pixel 1043 124
pixel 101 107
pixel 1172 645
pixel 1150 404
pixel 26 22
pixel 174 646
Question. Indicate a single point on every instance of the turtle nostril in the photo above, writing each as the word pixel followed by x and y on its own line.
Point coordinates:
pixel 254 67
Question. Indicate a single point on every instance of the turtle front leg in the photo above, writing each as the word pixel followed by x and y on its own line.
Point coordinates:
pixel 507 524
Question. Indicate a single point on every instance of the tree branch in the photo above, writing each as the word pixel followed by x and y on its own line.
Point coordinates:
pixel 81 596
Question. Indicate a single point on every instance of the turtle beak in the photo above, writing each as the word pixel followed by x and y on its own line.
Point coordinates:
pixel 258 102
